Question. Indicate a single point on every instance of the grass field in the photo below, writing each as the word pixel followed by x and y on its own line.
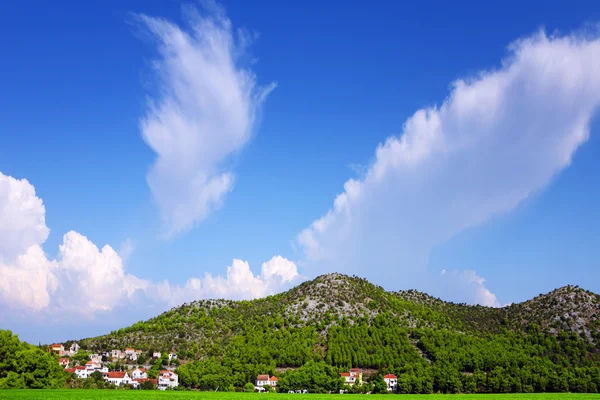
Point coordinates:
pixel 140 394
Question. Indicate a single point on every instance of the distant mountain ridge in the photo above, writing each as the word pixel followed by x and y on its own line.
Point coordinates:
pixel 311 333
pixel 329 298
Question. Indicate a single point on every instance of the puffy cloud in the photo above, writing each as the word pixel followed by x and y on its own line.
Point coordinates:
pixel 239 283
pixel 22 218
pixel 26 283
pixel 85 280
pixel 496 139
pixel 207 106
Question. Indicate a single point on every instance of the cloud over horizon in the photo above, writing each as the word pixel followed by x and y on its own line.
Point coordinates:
pixel 84 281
pixel 499 137
pixel 204 112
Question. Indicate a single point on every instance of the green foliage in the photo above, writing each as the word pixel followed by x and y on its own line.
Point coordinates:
pixel 379 385
pixel 335 322
pixel 249 387
pixel 177 395
pixel 147 385
pixel 25 366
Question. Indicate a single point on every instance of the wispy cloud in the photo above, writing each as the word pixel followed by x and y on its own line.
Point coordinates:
pixel 496 139
pixel 207 106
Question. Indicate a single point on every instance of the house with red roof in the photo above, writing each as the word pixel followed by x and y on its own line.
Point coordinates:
pixel 352 377
pixel 70 370
pixel 392 382
pixel 139 373
pixel 167 379
pixel 118 378
pixel 265 380
pixel 64 362
pixel 58 349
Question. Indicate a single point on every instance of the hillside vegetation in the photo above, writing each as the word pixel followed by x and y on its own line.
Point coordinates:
pixel 310 333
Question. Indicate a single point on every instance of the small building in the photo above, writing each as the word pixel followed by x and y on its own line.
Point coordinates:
pixel 118 378
pixel 64 362
pixel 82 372
pixel 58 349
pixel 391 381
pixel 97 358
pixel 264 380
pixel 352 377
pixel 116 354
pixel 93 366
pixel 167 379
pixel 139 373
pixel 129 351
pixel 156 354
pixel 172 356
pixel 74 348
pixel 70 370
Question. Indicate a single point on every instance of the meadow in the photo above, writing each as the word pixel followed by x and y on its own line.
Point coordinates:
pixel 49 394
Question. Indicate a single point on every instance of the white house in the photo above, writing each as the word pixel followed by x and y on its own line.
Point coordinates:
pixel 116 354
pixel 392 382
pixel 118 378
pixel 74 349
pixel 82 372
pixel 264 380
pixel 156 354
pixel 96 358
pixel 64 362
pixel 92 366
pixel 167 379
pixel 139 373
pixel 172 356
pixel 352 377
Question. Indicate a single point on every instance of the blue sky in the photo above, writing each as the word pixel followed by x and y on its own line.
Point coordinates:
pixel 76 82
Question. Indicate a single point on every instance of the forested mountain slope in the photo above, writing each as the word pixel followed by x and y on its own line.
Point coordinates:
pixel 335 322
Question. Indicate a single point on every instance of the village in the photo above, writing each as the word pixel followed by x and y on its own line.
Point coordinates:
pixel 136 376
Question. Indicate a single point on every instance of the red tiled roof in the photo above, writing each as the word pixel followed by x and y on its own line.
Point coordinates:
pixel 129 348
pixel 390 376
pixel 63 360
pixel 116 374
pixel 154 381
pixel 56 345
pixel 345 374
pixel 274 378
pixel 262 378
pixel 79 367
pixel 70 370
pixel 142 369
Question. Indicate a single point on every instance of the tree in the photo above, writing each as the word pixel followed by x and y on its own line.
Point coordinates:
pixel 249 387
pixel 147 385
pixel 379 386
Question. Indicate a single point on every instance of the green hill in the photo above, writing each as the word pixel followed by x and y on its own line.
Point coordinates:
pixel 335 322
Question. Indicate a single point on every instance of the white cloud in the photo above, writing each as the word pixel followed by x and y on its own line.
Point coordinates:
pixel 84 280
pixel 499 137
pixel 22 218
pixel 205 112
pixel 239 283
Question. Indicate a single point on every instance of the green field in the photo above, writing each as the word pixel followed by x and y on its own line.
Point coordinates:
pixel 139 394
